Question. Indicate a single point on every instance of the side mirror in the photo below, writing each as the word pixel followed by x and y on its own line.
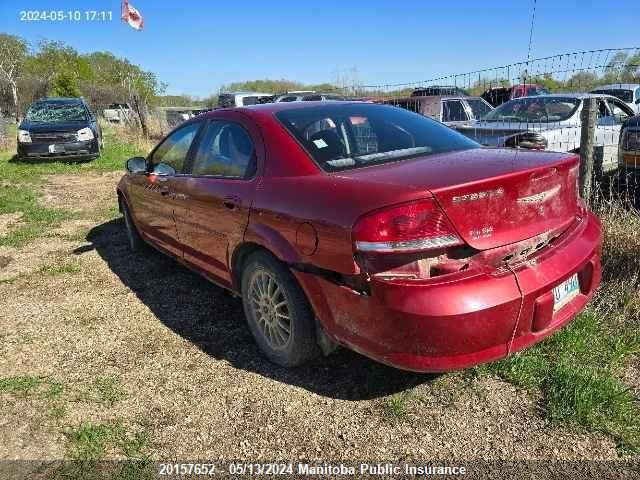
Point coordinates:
pixel 638 101
pixel 136 165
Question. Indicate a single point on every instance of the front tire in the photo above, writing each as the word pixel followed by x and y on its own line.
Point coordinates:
pixel 277 311
pixel 136 243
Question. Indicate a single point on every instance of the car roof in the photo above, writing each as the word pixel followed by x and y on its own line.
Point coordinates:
pixel 617 86
pixel 578 95
pixel 246 93
pixel 438 87
pixel 69 100
pixel 268 108
pixel 435 98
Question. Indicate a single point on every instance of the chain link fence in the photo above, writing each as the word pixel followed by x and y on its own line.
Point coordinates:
pixel 539 104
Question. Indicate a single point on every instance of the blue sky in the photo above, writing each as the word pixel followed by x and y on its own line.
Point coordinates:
pixel 196 46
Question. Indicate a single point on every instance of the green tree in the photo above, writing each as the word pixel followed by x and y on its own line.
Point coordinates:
pixel 581 81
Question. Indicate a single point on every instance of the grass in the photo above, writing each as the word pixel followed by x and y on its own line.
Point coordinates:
pixel 60 268
pixel 36 219
pixel 89 443
pixel 21 386
pixel 396 407
pixel 113 157
pixel 21 180
pixel 579 369
pixel 108 390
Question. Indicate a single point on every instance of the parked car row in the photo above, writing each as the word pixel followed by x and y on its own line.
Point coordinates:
pixel 241 99
pixel 529 117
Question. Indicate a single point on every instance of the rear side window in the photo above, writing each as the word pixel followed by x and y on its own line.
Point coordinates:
pixel 226 100
pixel 312 98
pixel 453 111
pixel 171 153
pixel 341 137
pixel 226 150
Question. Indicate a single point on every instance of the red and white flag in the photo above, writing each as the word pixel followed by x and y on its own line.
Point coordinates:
pixel 131 16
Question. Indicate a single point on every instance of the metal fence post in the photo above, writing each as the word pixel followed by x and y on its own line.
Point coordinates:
pixel 587 139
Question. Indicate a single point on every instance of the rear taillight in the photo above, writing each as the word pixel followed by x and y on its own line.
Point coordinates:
pixel 410 227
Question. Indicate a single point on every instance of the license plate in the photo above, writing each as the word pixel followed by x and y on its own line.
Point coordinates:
pixel 563 293
pixel 56 149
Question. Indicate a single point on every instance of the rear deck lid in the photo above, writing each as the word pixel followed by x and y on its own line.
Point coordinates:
pixel 514 206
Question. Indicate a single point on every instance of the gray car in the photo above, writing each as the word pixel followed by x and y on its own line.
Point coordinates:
pixel 552 122
pixel 452 110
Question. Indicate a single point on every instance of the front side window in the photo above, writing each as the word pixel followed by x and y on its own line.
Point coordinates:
pixel 342 137
pixel 534 110
pixel 453 111
pixel 170 156
pixel 618 111
pixel 53 112
pixel 226 150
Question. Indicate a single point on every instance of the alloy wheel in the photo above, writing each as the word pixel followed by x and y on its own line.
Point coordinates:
pixel 270 309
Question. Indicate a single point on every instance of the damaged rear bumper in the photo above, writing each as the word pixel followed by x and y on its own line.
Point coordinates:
pixel 462 319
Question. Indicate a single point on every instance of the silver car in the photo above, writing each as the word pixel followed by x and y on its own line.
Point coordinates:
pixel 552 122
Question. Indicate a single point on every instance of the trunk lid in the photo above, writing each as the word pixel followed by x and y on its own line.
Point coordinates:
pixel 512 207
pixel 492 197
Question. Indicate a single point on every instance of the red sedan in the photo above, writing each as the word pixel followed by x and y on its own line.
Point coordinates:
pixel 371 227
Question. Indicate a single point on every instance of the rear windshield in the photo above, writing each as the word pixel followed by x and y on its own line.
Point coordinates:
pixel 534 110
pixel 624 95
pixel 56 112
pixel 344 137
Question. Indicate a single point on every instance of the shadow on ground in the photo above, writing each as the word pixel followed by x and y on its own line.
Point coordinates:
pixel 49 160
pixel 211 318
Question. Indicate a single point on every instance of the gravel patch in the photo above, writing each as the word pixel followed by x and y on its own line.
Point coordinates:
pixel 86 192
pixel 8 221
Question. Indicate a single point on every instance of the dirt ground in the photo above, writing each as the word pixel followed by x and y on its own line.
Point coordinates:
pixel 182 366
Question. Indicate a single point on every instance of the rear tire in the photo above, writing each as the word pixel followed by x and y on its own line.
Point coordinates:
pixel 277 311
pixel 136 243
